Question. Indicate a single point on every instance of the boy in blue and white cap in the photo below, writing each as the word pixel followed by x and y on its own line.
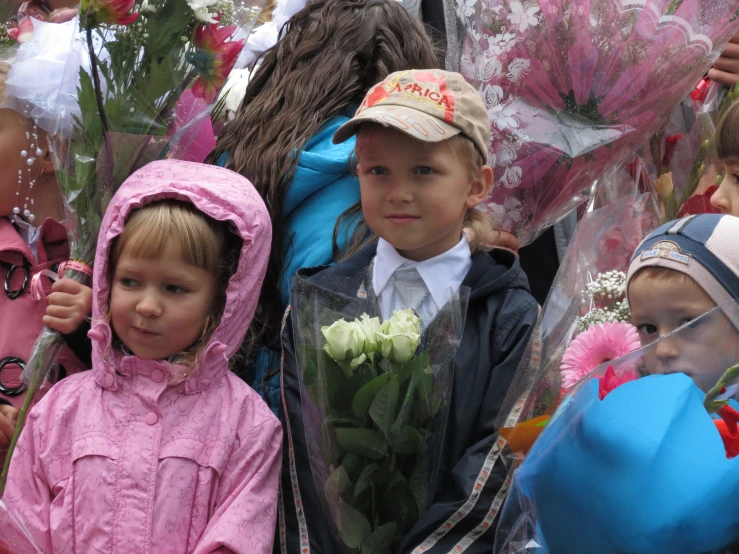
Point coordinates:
pixel 681 271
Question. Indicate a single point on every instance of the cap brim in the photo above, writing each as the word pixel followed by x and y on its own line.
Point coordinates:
pixel 416 124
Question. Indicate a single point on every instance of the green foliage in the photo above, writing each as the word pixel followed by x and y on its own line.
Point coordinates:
pixel 141 78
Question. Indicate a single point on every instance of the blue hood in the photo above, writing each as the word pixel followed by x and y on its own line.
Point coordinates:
pixel 321 190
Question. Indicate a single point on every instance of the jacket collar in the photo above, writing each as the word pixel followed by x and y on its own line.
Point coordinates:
pixel 52 245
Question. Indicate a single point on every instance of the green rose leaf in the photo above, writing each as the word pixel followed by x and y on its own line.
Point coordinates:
pixel 384 407
pixel 365 479
pixel 363 442
pixel 419 482
pixel 353 465
pixel 367 393
pixel 354 526
pixel 336 484
pixel 380 540
pixel 407 441
pixel 399 501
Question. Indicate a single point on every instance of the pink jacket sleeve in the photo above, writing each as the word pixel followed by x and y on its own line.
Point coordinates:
pixel 246 501
pixel 24 508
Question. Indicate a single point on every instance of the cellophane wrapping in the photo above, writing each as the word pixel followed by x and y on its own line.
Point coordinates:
pixel 375 399
pixel 573 88
pixel 604 242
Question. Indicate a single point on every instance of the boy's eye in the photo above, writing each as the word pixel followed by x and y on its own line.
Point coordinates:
pixel 378 170
pixel 176 289
pixel 647 329
pixel 424 170
pixel 691 323
pixel 126 282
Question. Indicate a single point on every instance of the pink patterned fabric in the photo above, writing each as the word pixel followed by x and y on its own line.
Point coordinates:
pixel 115 460
pixel 20 318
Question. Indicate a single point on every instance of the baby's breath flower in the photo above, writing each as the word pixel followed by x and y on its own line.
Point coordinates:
pixel 607 294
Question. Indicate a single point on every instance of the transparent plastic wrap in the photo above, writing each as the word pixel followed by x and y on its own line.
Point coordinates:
pixel 375 399
pixel 573 88
pixel 587 291
pixel 15 538
pixel 686 187
pixel 638 458
pixel 137 84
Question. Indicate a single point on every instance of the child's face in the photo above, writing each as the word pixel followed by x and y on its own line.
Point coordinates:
pixel 415 194
pixel 13 129
pixel 158 306
pixel 662 305
pixel 726 198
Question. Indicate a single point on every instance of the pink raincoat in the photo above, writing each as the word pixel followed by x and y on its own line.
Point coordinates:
pixel 114 460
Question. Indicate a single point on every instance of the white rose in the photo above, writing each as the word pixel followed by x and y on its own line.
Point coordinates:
pixel 344 340
pixel 401 336
pixel 372 327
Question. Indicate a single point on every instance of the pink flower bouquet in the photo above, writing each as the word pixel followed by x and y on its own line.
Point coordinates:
pixel 573 88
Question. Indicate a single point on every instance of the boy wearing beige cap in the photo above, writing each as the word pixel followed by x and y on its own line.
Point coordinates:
pixel 421 160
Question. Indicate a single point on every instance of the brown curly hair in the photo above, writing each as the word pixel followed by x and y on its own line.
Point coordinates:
pixel 329 55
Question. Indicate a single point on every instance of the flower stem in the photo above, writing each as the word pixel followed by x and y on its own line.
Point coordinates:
pixel 728 378
pixel 99 98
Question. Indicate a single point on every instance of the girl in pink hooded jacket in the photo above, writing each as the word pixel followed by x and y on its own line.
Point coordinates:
pixel 160 448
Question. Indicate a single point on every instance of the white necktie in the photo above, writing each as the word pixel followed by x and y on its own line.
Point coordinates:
pixel 411 291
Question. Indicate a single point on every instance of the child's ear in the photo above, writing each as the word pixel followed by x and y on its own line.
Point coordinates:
pixel 480 186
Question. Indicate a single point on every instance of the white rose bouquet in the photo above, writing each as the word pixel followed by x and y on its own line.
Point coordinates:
pixel 375 397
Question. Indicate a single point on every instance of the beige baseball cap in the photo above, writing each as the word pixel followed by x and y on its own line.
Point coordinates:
pixel 430 105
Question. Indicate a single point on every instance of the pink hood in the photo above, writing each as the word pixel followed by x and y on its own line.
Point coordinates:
pixel 237 202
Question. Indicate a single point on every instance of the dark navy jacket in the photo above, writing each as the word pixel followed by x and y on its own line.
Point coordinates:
pixel 500 317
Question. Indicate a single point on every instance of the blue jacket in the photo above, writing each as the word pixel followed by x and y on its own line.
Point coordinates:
pixel 322 188
pixel 500 317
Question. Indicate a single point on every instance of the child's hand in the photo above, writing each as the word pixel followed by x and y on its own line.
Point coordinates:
pixel 70 303
pixel 8 416
pixel 726 69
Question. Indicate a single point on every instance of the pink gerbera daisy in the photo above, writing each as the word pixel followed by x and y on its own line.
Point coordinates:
pixel 601 343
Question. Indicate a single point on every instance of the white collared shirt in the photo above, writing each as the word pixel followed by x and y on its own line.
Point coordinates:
pixel 442 276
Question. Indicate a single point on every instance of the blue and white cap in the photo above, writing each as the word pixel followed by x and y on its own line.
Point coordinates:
pixel 705 247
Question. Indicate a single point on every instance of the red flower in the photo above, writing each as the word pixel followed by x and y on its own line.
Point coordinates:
pixel 213 59
pixel 111 12
pixel 699 204
pixel 610 381
pixel 727 428
pixel 670 147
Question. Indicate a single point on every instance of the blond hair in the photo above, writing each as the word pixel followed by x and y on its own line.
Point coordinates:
pixel 204 243
pixel 481 230
pixel 727 135
pixel 480 226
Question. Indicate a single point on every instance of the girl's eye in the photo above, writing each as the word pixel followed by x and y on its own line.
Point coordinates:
pixel 176 289
pixel 378 171
pixel 424 170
